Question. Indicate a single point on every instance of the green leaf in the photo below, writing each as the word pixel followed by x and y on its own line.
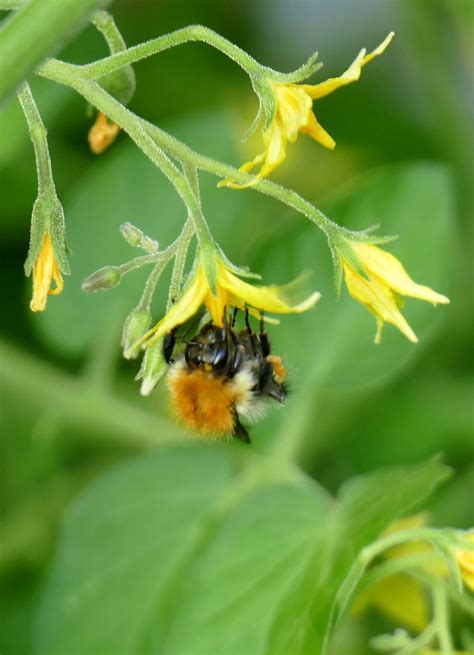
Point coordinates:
pixel 176 553
pixel 367 502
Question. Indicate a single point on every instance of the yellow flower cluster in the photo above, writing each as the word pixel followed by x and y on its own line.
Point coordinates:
pixel 230 291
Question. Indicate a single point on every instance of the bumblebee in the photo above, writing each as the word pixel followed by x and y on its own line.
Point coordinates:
pixel 223 376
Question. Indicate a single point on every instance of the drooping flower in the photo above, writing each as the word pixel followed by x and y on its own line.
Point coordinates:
pixel 102 134
pixel 45 271
pixel 294 114
pixel 380 291
pixel 230 291
pixel 47 255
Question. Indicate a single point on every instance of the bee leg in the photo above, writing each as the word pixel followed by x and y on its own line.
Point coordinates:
pixel 264 340
pixel 239 432
pixel 169 343
pixel 252 336
pixel 247 322
pixel 234 316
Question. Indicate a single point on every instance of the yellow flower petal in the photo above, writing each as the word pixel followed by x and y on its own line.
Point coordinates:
pixel 102 134
pixel 352 74
pixel 293 108
pixel 272 298
pixel 387 268
pixel 45 271
pixel 379 292
pixel 318 133
pixel 179 313
pixel 379 300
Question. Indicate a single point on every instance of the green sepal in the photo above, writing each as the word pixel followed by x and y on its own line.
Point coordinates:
pixel 138 239
pixel 302 73
pixel 121 83
pixel 48 216
pixel 368 236
pixel 344 249
pixel 153 367
pixel 209 261
pixel 237 270
pixel 135 327
pixel 263 87
pixel 336 260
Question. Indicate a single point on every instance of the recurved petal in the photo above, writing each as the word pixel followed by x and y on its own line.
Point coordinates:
pixel 390 271
pixel 245 168
pixel 275 299
pixel 352 74
pixel 379 300
pixel 317 132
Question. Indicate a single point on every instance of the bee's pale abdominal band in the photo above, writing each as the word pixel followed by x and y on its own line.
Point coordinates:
pixel 224 375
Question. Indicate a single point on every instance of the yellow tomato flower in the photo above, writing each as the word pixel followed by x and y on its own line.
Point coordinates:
pixel 294 114
pixel 386 281
pixel 231 291
pixel 102 134
pixel 45 270
pixel 465 560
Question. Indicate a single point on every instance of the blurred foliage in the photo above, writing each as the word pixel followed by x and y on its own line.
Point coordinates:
pixel 70 409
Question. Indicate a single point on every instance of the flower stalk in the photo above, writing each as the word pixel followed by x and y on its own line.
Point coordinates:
pixel 47 254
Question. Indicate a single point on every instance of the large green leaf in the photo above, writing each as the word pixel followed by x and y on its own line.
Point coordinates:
pixel 176 553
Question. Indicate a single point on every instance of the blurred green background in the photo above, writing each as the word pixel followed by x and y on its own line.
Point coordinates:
pixel 70 408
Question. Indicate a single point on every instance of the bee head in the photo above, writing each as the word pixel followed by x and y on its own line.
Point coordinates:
pixel 210 352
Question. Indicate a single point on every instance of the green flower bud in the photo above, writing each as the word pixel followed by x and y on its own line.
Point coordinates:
pixel 104 278
pixel 136 325
pixel 153 368
pixel 135 237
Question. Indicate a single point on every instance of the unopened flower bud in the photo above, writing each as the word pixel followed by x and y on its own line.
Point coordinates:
pixel 153 368
pixel 104 278
pixel 135 237
pixel 136 325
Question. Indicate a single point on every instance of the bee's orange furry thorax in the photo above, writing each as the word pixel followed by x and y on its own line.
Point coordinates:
pixel 203 401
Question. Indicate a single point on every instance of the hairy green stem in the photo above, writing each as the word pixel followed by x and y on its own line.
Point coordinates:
pixel 116 112
pixel 67 75
pixel 161 261
pixel 137 262
pixel 79 405
pixel 179 263
pixel 441 619
pixel 36 32
pixel 171 40
pixel 38 135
